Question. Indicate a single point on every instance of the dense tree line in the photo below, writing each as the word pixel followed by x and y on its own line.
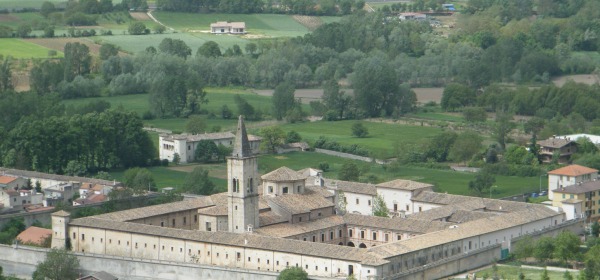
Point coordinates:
pixel 302 7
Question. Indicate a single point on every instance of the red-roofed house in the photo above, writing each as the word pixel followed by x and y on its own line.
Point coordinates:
pixel 34 236
pixel 568 176
pixel 93 198
pixel 11 182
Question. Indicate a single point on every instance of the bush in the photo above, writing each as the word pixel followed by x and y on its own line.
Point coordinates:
pixel 324 166
pixel 324 143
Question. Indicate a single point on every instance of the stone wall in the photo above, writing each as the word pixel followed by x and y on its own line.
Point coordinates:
pixel 350 156
pixel 21 262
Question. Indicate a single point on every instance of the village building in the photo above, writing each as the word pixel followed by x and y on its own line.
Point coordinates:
pixel 226 27
pixel 569 175
pixel 289 218
pixel 12 182
pixel 412 16
pixel 185 145
pixel 556 147
pixel 100 275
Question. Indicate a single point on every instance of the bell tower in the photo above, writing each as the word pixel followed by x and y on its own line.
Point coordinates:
pixel 242 184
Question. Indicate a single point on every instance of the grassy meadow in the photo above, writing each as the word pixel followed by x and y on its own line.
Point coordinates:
pixel 20 49
pixel 444 180
pixel 270 25
pixel 382 141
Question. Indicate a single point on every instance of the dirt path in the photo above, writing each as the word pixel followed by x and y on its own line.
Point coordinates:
pixel 149 13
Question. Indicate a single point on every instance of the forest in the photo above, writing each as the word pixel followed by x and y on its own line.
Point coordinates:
pixel 501 58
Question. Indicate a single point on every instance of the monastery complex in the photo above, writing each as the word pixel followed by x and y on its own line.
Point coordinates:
pixel 290 218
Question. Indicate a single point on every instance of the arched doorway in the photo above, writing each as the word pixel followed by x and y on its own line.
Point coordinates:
pixel 362 245
pixel 351 244
pixel 341 243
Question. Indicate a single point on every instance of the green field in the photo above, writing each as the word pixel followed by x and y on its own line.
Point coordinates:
pixel 19 4
pixel 18 49
pixel 382 139
pixel 264 24
pixel 445 180
pixel 512 272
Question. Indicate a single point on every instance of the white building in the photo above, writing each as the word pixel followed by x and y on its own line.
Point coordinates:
pixel 185 144
pixel 568 176
pixel 226 27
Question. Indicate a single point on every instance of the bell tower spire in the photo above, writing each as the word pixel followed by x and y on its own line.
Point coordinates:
pixel 242 184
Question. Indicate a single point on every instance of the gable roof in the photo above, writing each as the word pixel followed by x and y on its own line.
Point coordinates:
pixel 283 174
pixel 311 199
pixel 100 275
pixel 555 143
pixel 7 179
pixel 351 187
pixel 573 170
pixel 590 186
pixel 401 184
pixel 34 235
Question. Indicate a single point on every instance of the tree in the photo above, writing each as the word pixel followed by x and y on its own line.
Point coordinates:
pixel 376 89
pixel 226 113
pixel 107 50
pixel 283 100
pixel 466 145
pixel 502 128
pixel 349 172
pixel 524 247
pixel 544 275
pixel 359 130
pixel 272 137
pixel 198 182
pixel 175 47
pixel 59 265
pixel 6 75
pixel 139 180
pixel 380 209
pixel 23 30
pixel 49 33
pixel 474 114
pixel 209 49
pixel 47 8
pixel 544 247
pixel 77 60
pixel 137 28
pixel 250 48
pixel 482 183
pixel 335 100
pixel 456 96
pixel 292 137
pixel 293 273
pixel 566 246
pixel 567 275
pixel 439 147
pixel 176 158
pixel 592 263
pixel 206 151
pixel 159 29
pixel 195 125
pixel 595 229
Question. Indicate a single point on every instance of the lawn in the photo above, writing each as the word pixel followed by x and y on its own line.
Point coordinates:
pixel 18 48
pixel 382 139
pixel 445 180
pixel 257 24
pixel 19 4
pixel 512 272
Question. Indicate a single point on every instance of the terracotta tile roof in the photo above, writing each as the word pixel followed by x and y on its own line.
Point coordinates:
pixel 155 210
pixel 283 174
pixel 554 143
pixel 463 231
pixel 268 218
pixel 34 235
pixel 61 213
pixel 590 186
pixel 287 230
pixel 11 192
pixel 38 208
pixel 441 198
pixel 301 203
pixel 398 224
pixel 352 187
pixel 408 185
pixel 239 240
pixel 7 179
pixel 573 170
pixel 220 210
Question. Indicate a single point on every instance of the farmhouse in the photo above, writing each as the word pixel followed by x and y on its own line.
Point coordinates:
pixel 412 16
pixel 226 27
pixel 185 145
pixel 288 218
pixel 563 148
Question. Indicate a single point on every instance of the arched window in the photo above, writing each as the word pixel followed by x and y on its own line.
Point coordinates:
pixel 251 185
